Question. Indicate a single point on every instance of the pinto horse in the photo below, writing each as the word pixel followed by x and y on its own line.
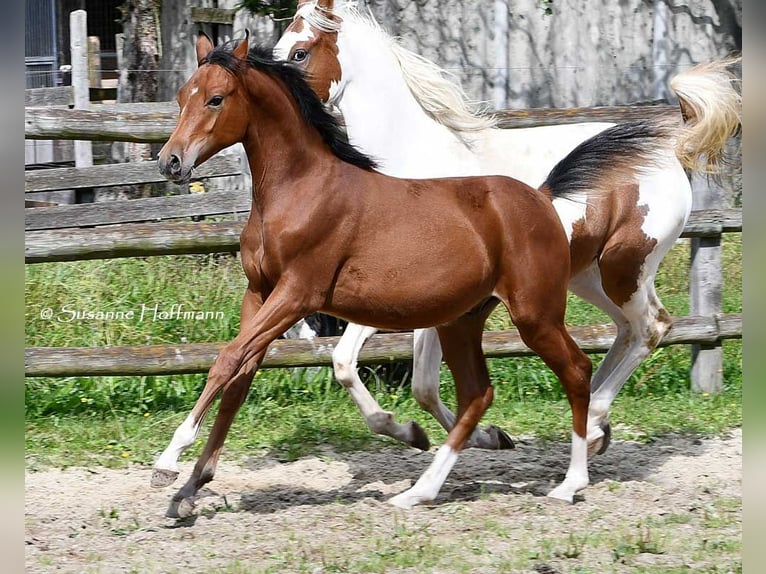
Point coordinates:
pixel 328 233
pixel 632 197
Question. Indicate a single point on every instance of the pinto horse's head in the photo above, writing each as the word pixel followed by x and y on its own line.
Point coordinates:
pixel 311 42
pixel 213 114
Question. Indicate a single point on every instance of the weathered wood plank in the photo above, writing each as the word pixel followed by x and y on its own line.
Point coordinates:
pixel 706 290
pixel 97 125
pixel 138 210
pixel 131 240
pixel 158 239
pixel 202 15
pixel 535 117
pixel 197 358
pixel 130 173
pixel 154 121
pixel 712 222
pixel 58 96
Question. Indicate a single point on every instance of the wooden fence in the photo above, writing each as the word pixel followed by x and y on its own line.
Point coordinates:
pixel 161 226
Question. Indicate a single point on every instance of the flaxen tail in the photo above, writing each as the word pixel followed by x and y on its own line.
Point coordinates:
pixel 711 105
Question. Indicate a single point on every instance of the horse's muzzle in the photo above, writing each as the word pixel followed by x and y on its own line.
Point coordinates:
pixel 171 166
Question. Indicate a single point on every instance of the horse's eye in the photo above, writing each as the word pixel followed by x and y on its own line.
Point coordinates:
pixel 215 101
pixel 299 55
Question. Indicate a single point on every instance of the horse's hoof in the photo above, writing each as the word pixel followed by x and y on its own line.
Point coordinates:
pixel 501 438
pixel 599 445
pixel 607 438
pixel 419 437
pixel 183 508
pixel 561 495
pixel 162 477
pixel 407 500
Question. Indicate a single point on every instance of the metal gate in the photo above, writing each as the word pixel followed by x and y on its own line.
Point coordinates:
pixel 40 52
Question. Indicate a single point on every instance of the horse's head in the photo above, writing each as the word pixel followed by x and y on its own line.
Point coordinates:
pixel 213 114
pixel 311 42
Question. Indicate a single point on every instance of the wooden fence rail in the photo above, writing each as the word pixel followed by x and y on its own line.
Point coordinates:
pixel 381 347
pixel 147 239
pixel 117 174
pixel 154 122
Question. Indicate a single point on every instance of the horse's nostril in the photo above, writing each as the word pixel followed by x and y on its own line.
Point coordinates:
pixel 174 164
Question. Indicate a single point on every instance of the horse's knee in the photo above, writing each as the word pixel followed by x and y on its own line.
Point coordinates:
pixel 226 364
pixel 344 367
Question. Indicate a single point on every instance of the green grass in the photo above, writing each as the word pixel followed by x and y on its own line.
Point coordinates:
pixel 117 420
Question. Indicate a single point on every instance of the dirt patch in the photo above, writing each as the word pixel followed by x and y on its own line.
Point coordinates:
pixel 675 503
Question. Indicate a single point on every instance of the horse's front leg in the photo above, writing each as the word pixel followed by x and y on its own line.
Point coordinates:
pixel 232 373
pixel 166 466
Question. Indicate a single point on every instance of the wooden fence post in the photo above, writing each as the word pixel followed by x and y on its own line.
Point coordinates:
pixel 706 289
pixel 78 29
pixel 94 61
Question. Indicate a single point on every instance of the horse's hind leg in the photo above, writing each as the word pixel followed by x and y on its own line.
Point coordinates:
pixel 587 286
pixel 427 359
pixel 461 345
pixel 552 343
pixel 537 306
pixel 629 285
pixel 344 358
pixel 648 321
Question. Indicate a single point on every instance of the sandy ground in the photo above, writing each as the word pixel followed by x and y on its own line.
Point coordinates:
pixel 649 506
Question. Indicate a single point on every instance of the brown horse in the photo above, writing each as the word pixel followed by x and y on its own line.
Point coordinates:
pixel 328 233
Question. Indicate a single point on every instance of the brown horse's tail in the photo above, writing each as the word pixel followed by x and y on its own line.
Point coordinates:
pixel 711 106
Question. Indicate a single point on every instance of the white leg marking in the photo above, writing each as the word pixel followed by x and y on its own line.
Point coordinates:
pixel 301 330
pixel 344 358
pixel 183 438
pixel 431 481
pixel 426 360
pixel 577 475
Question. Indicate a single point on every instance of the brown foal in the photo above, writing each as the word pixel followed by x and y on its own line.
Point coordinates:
pixel 328 233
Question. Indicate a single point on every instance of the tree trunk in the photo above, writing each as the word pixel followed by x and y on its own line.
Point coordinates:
pixel 139 73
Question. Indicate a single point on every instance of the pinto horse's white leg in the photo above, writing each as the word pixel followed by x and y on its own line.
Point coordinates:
pixel 587 286
pixel 649 321
pixel 427 358
pixel 577 474
pixel 344 358
pixel 430 482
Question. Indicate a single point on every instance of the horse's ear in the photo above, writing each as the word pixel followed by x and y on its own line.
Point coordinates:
pixel 241 50
pixel 326 4
pixel 204 46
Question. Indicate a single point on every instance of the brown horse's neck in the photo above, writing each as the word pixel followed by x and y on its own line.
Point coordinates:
pixel 281 148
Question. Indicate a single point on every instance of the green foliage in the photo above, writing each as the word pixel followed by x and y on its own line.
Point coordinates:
pixel 547 6
pixel 273 8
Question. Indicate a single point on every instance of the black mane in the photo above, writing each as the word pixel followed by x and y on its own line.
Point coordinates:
pixel 311 107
